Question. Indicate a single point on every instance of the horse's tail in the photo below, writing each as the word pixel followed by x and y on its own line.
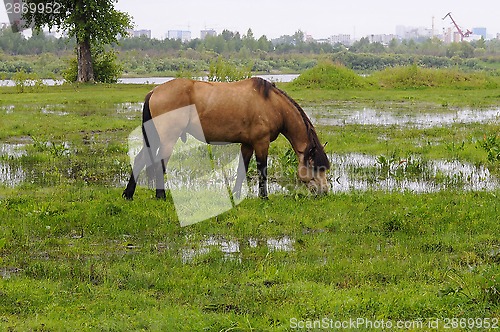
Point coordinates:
pixel 149 136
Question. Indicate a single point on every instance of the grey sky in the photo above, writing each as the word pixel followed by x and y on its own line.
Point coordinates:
pixel 319 18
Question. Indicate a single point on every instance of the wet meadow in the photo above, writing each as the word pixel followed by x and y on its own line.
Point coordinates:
pixel 409 232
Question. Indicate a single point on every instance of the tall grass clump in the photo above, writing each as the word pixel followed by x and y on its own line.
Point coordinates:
pixel 327 75
pixel 27 82
pixel 224 71
pixel 414 77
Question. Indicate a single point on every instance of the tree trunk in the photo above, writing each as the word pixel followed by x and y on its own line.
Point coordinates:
pixel 85 63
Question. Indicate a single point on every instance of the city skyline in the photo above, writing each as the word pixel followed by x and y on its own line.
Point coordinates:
pixel 318 18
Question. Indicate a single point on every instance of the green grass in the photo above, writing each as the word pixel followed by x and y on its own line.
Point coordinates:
pixel 88 260
pixel 75 256
pixel 411 84
pixel 330 76
pixel 413 77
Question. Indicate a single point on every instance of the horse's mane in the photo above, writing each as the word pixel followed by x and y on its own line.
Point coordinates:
pixel 314 150
pixel 263 86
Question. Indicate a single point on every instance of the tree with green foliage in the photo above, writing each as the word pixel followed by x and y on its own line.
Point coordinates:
pixel 94 24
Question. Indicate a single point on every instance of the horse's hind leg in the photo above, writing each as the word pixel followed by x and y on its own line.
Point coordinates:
pixel 160 168
pixel 169 127
pixel 139 163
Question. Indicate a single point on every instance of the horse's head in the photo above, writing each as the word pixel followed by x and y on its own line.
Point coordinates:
pixel 313 161
pixel 314 178
pixel 313 167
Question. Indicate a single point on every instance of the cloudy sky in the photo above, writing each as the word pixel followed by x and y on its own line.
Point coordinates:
pixel 319 18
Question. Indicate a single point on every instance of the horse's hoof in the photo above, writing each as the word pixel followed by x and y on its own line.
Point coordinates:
pixel 127 196
pixel 160 195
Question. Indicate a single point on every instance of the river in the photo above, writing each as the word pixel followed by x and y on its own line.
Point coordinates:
pixel 158 80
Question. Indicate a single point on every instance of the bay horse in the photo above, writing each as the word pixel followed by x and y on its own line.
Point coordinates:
pixel 252 112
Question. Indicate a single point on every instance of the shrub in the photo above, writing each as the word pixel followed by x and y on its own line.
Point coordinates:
pixel 70 74
pixel 413 77
pixel 223 71
pixel 491 144
pixel 327 75
pixel 106 68
pixel 27 82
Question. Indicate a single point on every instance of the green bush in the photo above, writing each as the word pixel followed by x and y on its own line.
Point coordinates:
pixel 491 144
pixel 70 74
pixel 223 71
pixel 412 77
pixel 106 68
pixel 327 75
pixel 27 82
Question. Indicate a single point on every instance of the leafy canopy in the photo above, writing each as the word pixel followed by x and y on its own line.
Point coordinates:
pixel 96 21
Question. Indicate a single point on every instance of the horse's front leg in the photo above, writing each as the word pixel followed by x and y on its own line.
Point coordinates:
pixel 261 158
pixel 245 156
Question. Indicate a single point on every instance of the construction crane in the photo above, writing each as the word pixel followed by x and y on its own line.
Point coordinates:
pixel 462 34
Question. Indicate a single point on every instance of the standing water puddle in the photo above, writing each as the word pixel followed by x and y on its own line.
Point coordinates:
pixel 131 111
pixel 349 172
pixel 232 248
pixel 334 116
pixel 15 150
pixel 9 109
pixel 362 172
pixel 54 110
pixel 11 174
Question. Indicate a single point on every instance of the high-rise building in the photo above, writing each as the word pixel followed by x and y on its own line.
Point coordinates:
pixel 139 33
pixel 341 39
pixel 183 35
pixel 480 32
pixel 205 33
pixel 142 33
pixel 408 32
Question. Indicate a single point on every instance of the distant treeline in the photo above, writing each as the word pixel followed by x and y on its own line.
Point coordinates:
pixel 48 56
pixel 229 42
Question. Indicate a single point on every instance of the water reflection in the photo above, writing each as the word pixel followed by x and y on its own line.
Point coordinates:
pixel 11 173
pixel 350 172
pixel 231 248
pixel 51 110
pixel 11 176
pixel 131 111
pixel 8 109
pixel 12 150
pixel 360 172
pixel 159 80
pixel 335 116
